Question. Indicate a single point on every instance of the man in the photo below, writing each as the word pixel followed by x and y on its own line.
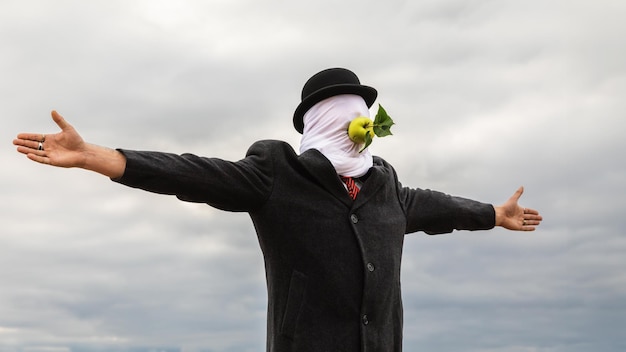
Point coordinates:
pixel 332 251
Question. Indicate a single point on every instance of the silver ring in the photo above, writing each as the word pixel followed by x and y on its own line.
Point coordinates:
pixel 40 146
pixel 523 222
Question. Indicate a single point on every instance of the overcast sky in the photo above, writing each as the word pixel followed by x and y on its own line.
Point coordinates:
pixel 487 95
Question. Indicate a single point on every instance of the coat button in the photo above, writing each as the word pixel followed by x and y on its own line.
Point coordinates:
pixel 354 218
pixel 370 267
pixel 365 320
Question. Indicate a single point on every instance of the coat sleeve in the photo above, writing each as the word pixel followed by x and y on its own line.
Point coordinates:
pixel 435 212
pixel 234 186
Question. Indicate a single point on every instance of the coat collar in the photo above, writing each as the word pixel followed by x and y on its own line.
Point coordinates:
pixel 320 168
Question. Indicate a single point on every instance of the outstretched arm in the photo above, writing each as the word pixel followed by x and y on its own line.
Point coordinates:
pixel 512 216
pixel 68 149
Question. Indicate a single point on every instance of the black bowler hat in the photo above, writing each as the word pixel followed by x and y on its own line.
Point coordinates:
pixel 326 84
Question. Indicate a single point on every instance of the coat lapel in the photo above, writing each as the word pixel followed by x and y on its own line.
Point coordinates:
pixel 377 178
pixel 320 168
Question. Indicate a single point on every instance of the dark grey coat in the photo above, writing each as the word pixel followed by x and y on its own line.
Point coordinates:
pixel 332 264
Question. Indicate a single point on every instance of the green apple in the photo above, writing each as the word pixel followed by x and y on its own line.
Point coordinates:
pixel 360 128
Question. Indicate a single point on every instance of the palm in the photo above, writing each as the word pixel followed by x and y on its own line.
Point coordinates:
pixel 65 148
pixel 512 212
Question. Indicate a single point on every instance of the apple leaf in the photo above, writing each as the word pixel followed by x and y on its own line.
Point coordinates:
pixel 368 140
pixel 382 123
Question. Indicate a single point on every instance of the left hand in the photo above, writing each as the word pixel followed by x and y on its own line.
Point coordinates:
pixel 512 216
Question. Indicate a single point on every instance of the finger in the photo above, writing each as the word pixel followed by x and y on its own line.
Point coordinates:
pixel 30 147
pixel 528 225
pixel 31 137
pixel 532 222
pixel 19 140
pixel 32 153
pixel 30 144
pixel 531 211
pixel 59 120
pixel 531 216
pixel 25 150
pixel 38 158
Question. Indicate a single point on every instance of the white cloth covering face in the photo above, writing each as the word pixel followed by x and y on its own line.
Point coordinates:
pixel 326 129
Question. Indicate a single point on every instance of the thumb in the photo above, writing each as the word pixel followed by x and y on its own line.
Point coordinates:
pixel 516 196
pixel 59 120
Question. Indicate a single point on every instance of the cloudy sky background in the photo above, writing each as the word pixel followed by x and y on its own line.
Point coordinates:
pixel 487 96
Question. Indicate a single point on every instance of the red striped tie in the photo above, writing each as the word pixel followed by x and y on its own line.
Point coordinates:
pixel 353 189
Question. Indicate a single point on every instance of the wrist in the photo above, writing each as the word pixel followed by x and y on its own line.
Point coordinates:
pixel 499 214
pixel 106 161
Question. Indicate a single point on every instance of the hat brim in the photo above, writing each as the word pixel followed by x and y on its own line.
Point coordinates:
pixel 369 94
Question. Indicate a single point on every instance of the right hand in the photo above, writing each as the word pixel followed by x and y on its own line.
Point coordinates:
pixel 64 149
